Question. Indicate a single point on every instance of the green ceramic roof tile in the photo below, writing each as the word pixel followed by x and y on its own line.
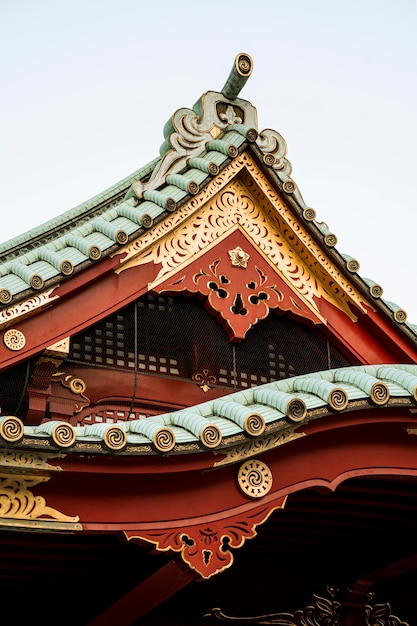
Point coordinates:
pixel 13 283
pixel 190 155
pixel 77 212
pixel 192 425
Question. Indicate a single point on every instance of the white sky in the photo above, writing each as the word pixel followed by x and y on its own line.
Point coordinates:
pixel 88 85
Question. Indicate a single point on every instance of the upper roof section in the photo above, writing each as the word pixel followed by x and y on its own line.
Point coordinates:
pixel 199 143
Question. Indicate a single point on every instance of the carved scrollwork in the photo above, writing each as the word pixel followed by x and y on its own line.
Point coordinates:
pixel 249 449
pixel 254 207
pixel 205 379
pixel 188 130
pixel 76 385
pixel 380 615
pixel 322 611
pixel 25 308
pixel 206 547
pixel 20 471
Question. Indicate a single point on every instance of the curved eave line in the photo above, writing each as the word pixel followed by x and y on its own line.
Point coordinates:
pixel 231 418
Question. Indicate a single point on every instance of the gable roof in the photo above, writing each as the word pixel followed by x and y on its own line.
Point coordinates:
pixel 199 143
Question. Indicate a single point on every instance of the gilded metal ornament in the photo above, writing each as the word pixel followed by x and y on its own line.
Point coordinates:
pixel 254 478
pixel 249 449
pixel 205 379
pixel 238 257
pixel 19 507
pixel 14 339
pixel 11 428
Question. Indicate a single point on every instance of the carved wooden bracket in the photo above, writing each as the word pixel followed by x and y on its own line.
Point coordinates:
pixel 240 287
pixel 205 547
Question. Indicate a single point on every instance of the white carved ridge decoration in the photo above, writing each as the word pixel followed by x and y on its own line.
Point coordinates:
pixel 25 308
pixel 188 131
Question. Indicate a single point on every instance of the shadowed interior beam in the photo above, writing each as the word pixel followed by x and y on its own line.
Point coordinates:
pixel 356 600
pixel 146 596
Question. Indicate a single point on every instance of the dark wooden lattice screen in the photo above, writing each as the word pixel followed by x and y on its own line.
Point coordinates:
pixel 176 337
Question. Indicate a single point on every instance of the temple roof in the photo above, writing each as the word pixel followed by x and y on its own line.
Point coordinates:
pixel 220 424
pixel 199 143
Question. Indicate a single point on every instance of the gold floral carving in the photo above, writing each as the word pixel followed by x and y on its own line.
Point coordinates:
pixel 75 385
pixel 204 379
pixel 26 308
pixel 19 507
pixel 242 198
pixel 322 611
pixel 249 449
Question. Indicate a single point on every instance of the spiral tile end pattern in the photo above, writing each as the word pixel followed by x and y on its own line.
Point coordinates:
pixel 164 440
pixel 296 410
pixel 5 296
pixel 211 436
pixel 338 399
pixel 309 214
pixel 94 253
pixel 376 290
pixel 400 316
pixel 254 424
pixel 115 438
pixel 254 478
pixel 379 393
pixel 64 435
pixel 11 429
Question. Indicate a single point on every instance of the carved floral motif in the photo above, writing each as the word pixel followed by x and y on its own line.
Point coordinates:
pixel 206 547
pixel 19 472
pixel 241 298
pixel 321 612
pixel 248 203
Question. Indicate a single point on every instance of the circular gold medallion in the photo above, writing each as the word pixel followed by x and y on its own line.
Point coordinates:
pixel 14 339
pixel 254 478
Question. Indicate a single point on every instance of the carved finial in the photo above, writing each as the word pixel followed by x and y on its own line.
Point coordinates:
pixel 238 76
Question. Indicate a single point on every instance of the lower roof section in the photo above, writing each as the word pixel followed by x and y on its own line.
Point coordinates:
pixel 220 424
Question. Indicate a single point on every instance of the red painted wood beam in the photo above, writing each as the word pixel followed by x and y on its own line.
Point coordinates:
pixel 146 596
pixel 354 604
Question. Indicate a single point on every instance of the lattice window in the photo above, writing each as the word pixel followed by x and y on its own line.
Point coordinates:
pixel 176 337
